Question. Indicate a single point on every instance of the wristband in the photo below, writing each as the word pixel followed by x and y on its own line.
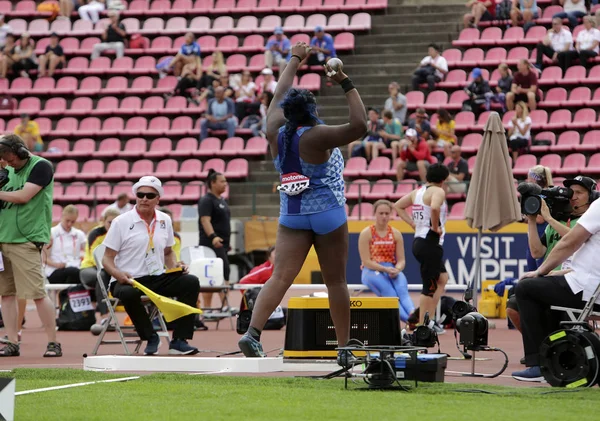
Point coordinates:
pixel 297 56
pixel 212 237
pixel 347 85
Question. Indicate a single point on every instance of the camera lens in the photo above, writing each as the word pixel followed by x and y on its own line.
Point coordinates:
pixel 532 205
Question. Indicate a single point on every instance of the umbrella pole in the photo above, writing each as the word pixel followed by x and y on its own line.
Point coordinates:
pixel 477 269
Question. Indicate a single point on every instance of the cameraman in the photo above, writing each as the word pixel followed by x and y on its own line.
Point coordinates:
pixel 25 222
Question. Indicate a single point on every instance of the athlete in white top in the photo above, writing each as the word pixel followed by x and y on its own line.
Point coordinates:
pixel 429 212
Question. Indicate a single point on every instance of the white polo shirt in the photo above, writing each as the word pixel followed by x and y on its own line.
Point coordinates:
pixel 66 247
pixel 558 40
pixel 586 39
pixel 440 62
pixel 586 270
pixel 128 236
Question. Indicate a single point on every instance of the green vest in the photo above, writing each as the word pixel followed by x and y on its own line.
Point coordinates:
pixel 552 237
pixel 31 221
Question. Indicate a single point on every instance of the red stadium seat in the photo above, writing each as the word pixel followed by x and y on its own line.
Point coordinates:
pixel 453 56
pixel 513 35
pixel 593 165
pixel 89 126
pixel 560 119
pixel 81 106
pixel 548 136
pixel 135 126
pixel 66 86
pixel 115 85
pixel 159 148
pixel 246 6
pixel 454 79
pixel 567 142
pixel 591 141
pixel 252 43
pixel 539 119
pixel 267 6
pixel 293 23
pixel 172 191
pixel 464 120
pixel 573 164
pixel 456 100
pixel 584 118
pixel 414 99
pixel 112 126
pixel 551 160
pixel 228 44
pixel 457 212
pixel 377 167
pixel 192 191
pixel 108 148
pixel 143 167
pixel 381 189
pixel 106 106
pixel 358 188
pixel 153 105
pixel 338 22
pixel 534 35
pixel 21 86
pixel 359 22
pixel 57 148
pixel 83 148
pixel 466 38
pixel 130 105
pixel 232 146
pixel 237 168
pixel 117 170
pixel 579 97
pixel 435 100
pixel 256 146
pixel 550 76
pixel 89 86
pixel 574 75
pixel 362 211
pixel 66 170
pixel 344 41
pixel 489 36
pixel 66 127
pixel 471 143
pixel 29 105
pixel 215 163
pixel 311 82
pixel 134 148
pixel 555 97
pixel 355 166
pixel 54 106
pixel 91 170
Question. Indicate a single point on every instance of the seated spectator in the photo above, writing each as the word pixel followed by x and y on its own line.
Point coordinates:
pixel 519 130
pixel 24 58
pixel 259 128
pixel 122 204
pixel 459 171
pixel 572 10
pixel 54 57
pixel 396 102
pixel 322 48
pixel 7 54
pixel 278 50
pixel 29 131
pixel 431 70
pixel 524 11
pixel 478 91
pixel 67 7
pixel 268 84
pixel 88 269
pixel 63 253
pixel 245 95
pixel 5 30
pixel 414 156
pixel 480 11
pixel 262 273
pixel 443 132
pixel 421 124
pixel 503 87
pixel 214 71
pixel 189 79
pixel 91 9
pixel 524 87
pixel 113 37
pixel 586 46
pixel 373 141
pixel 219 115
pixel 224 82
pixel 392 133
pixel 557 43
pixel 188 55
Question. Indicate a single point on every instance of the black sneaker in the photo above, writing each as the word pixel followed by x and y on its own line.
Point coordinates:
pixel 250 347
pixel 10 350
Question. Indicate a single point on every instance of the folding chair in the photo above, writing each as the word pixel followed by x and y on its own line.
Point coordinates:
pixel 586 314
pixel 209 282
pixel 112 303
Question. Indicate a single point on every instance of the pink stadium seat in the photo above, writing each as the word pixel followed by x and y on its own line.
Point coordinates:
pixel 192 192
pixel 456 100
pixel 181 126
pixel 435 100
pixel 466 38
pixel 160 45
pixel 175 105
pixel 464 120
pixel 84 212
pixel 87 45
pixel 135 8
pixel 158 126
pixel 256 146
pixel 83 148
pixel 358 188
pixel 549 136
pixel 42 86
pixel 567 142
pixel 483 118
pixel 57 148
pixel 594 76
pixel 554 98
pixel 80 106
pixel 414 99
pixel 81 28
pixel 573 164
pixel 454 79
pixel 457 212
pixel 54 106
pixel 246 6
pixel 89 126
pixel 10 126
pixel 56 213
pixel 159 148
pixel 215 163
pixel 112 126
pixel 58 191
pixel 116 85
pixel 377 167
pixel 108 148
pixel 358 22
pixel 471 143
pixel 134 148
pixel 178 7
pixel 143 65
pixel 595 101
pixel 268 23
pixel 362 211
pixel 584 118
pixel 130 105
pixel 550 76
pixel 132 25
pixel 222 25
pixel 344 41
pixel 267 6
pixel 579 97
pixel 293 23
pixel 185 148
pixel 45 126
pixel 593 165
pixel 513 35
pixel 24 8
pixel 338 22
pixel 20 86
pixel 534 35
pixel 70 45
pixel 252 43
pixel 355 166
pixel 153 26
pixel 256 63
pixel 311 81
pixel 135 126
pixel 91 170
pixel 172 191
pixel 516 54
pixel 328 5
pixel 209 147
pixel 122 187
pixel 471 162
pixel 591 141
pixel 30 105
pixel 66 170
pixel 289 6
pixel 200 24
pixel 153 105
pixel 495 56
pixel 66 86
pixel 453 56
pixel 236 62
pixel 382 189
pixel 560 119
pixel 549 11
pixel 539 119
pixel 165 85
pixel 90 86
pixel 574 75
pixel 66 127
pixel 106 106
pixel 122 65
pixel 161 6
pixel 144 167
pixel 472 57
pixel 551 160
pixel 232 146
pixel 100 191
pixel 237 168
pixel 117 170
pixel 402 189
pixel 228 44
pixel 175 26
pixel 489 36
pixel 38 27
pixel 77 66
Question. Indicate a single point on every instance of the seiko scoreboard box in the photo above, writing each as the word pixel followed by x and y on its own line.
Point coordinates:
pixel 310 332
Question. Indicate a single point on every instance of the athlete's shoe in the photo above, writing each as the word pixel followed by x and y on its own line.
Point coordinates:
pixel 250 347
pixel 346 359
pixel 530 374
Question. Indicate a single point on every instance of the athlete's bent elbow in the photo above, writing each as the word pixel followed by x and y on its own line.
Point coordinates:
pixel 359 129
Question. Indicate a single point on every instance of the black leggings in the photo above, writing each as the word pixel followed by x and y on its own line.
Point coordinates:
pixel 430 256
pixel 68 275
pixel 26 64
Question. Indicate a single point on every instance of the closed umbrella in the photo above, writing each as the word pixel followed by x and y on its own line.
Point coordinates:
pixel 492 199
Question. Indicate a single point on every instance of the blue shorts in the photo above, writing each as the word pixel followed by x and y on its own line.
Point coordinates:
pixel 320 223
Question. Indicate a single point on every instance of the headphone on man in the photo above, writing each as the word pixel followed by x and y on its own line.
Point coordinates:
pixel 17 148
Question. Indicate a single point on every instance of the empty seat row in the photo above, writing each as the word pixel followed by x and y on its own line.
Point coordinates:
pixel 190 169
pixel 199 25
pixel 93 214
pixel 159 148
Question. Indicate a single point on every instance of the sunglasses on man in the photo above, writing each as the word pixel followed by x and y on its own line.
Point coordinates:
pixel 150 196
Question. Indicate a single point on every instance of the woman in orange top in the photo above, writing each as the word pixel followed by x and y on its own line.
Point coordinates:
pixel 381 250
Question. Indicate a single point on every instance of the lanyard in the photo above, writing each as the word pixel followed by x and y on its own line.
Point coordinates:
pixel 150 229
pixel 62 246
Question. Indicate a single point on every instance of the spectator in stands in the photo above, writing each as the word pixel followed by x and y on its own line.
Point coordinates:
pixel 373 141
pixel 139 245
pixel 421 124
pixel 5 30
pixel 29 131
pixel 262 273
pixel 480 11
pixel 113 37
pixel 572 10
pixel 6 55
pixel 557 43
pixel 224 82
pixel 524 11
pixel 122 204
pixel 219 115
pixel 260 128
pixel 53 57
pixel 443 132
pixel 524 87
pixel 24 57
pixel 459 171
pixel 431 70
pixel 586 46
pixel 91 9
pixel 414 156
pixel 322 48
pixel 63 253
pixel 245 94
pixel 188 55
pixel 392 133
pixel 214 71
pixel 88 269
pixel 503 87
pixel 269 83
pixel 190 78
pixel 396 102
pixel 478 91
pixel 278 50
pixel 67 7
pixel 519 130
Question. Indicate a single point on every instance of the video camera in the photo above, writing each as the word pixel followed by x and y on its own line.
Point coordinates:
pixel 471 325
pixel 557 198
pixel 425 335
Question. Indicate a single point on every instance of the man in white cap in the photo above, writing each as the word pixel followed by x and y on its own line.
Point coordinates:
pixel 414 155
pixel 139 246
pixel 278 50
pixel 268 84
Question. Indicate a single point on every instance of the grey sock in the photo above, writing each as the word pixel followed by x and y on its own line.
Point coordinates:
pixel 255 333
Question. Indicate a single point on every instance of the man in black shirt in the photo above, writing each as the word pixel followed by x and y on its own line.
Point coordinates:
pixel 113 37
pixel 459 171
pixel 53 57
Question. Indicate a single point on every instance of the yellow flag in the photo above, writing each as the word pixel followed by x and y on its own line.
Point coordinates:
pixel 170 308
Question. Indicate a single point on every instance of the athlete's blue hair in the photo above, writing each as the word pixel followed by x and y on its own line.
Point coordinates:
pixel 299 109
